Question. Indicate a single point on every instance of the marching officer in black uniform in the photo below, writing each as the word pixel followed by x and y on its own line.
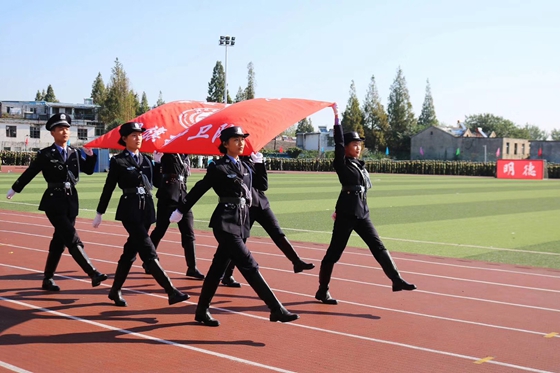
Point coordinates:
pixel 133 172
pixel 61 166
pixel 231 179
pixel 352 214
pixel 172 188
pixel 261 212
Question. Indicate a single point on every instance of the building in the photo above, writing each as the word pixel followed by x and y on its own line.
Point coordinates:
pixel 548 150
pixel 459 143
pixel 321 141
pixel 22 123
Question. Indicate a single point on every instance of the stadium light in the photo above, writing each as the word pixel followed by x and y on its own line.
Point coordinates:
pixel 226 41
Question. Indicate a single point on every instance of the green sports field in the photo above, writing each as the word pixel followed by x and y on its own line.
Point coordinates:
pixel 507 221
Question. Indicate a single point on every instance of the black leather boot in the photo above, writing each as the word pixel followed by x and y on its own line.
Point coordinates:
pixel 49 285
pixel 80 256
pixel 120 277
pixel 174 295
pixel 324 278
pixel 384 259
pixel 277 310
pixel 53 258
pixel 194 273
pixel 288 250
pixel 209 287
pixel 228 279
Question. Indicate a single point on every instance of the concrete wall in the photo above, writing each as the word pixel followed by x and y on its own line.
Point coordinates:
pixel 440 145
pixel 550 150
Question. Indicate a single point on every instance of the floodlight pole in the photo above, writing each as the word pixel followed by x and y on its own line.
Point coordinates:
pixel 226 41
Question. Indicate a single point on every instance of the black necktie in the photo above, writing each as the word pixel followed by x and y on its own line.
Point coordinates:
pixel 135 158
pixel 63 154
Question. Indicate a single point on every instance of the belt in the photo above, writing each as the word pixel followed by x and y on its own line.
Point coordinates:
pixel 354 188
pixel 234 200
pixel 60 185
pixel 138 190
pixel 173 176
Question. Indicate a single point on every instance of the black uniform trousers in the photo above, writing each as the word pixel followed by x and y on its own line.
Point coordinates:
pixel 343 227
pixel 65 235
pixel 138 242
pixel 186 226
pixel 268 221
pixel 230 247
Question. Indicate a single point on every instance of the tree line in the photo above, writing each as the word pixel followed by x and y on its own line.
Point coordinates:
pixel 382 128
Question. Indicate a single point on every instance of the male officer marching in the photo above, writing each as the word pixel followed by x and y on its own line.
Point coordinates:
pixel 61 165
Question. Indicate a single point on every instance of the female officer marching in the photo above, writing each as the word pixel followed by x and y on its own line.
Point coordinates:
pixel 61 166
pixel 232 181
pixel 261 213
pixel 134 172
pixel 352 214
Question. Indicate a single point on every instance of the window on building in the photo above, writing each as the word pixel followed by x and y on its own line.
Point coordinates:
pixel 99 129
pixel 11 131
pixel 523 149
pixel 515 149
pixel 7 148
pixel 82 134
pixel 35 132
pixel 507 147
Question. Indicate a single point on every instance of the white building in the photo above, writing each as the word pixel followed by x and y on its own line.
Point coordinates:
pixel 321 141
pixel 22 123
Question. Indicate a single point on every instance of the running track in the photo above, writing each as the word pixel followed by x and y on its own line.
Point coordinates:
pixel 466 316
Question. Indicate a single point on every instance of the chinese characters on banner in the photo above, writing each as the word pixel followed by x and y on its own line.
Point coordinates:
pixel 520 169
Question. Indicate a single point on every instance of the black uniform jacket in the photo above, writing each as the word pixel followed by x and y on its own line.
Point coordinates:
pixel 350 174
pixel 259 198
pixel 56 172
pixel 172 178
pixel 129 176
pixel 228 182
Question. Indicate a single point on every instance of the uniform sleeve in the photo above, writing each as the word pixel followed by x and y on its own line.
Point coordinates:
pixel 87 165
pixel 199 189
pixel 109 187
pixel 339 151
pixel 260 177
pixel 34 168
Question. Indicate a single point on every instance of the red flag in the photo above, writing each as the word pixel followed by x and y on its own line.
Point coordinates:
pixel 262 118
pixel 540 152
pixel 26 141
pixel 162 124
pixel 281 150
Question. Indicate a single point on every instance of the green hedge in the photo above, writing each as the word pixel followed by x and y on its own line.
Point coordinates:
pixel 402 167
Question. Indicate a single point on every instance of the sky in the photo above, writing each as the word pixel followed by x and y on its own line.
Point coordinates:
pixel 492 56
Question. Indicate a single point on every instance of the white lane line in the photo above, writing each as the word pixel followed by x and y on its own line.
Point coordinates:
pixel 491 248
pixel 299 294
pixel 248 362
pixel 148 337
pixel 493 283
pixel 13 368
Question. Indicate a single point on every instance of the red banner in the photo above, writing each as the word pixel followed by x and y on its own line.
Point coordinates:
pixel 520 169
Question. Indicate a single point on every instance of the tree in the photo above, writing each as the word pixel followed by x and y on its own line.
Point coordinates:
pixel 98 91
pixel 38 96
pixel 134 101
pixel 217 84
pixel 291 131
pixel 160 100
pixel 353 117
pixel 376 124
pixel 401 117
pixel 428 115
pixel 305 126
pixel 144 106
pixel 534 132
pixel 50 96
pixel 240 96
pixel 555 134
pixel 119 104
pixel 250 90
pixel 492 123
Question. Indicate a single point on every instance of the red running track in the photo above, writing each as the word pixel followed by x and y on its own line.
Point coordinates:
pixel 466 316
